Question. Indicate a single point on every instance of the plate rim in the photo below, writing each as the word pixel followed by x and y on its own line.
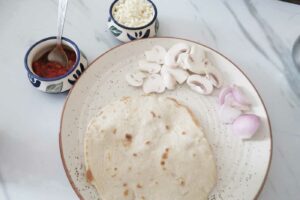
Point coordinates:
pixel 153 38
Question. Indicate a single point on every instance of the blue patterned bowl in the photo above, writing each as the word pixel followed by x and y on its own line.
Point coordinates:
pixel 61 83
pixel 126 34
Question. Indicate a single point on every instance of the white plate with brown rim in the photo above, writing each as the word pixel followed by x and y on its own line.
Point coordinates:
pixel 242 165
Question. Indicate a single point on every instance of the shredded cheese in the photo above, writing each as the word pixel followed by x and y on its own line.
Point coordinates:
pixel 133 13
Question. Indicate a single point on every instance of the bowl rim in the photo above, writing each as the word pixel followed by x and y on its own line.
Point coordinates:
pixel 133 28
pixel 78 55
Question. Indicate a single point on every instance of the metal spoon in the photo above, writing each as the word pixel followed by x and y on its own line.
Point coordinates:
pixel 296 53
pixel 58 54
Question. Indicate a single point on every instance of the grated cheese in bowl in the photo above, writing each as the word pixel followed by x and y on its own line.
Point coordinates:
pixel 133 13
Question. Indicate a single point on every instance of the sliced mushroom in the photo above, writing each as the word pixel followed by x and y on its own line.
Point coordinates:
pixel 149 67
pixel 179 74
pixel 156 54
pixel 173 53
pixel 154 84
pixel 136 78
pixel 196 61
pixel 168 80
pixel 200 84
pixel 215 77
pixel 182 59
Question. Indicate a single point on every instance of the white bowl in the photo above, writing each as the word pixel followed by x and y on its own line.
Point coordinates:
pixel 126 34
pixel 60 83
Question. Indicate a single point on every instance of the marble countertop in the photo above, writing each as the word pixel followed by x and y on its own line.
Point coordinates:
pixel 257 35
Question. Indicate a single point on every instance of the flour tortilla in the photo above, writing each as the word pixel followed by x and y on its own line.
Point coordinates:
pixel 148 148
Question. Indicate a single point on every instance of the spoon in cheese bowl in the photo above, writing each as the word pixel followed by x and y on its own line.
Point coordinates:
pixel 58 54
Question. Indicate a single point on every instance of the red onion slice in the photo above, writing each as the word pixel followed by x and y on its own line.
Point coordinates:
pixel 245 126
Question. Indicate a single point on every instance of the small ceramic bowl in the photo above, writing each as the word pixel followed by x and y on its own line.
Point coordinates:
pixel 126 34
pixel 60 83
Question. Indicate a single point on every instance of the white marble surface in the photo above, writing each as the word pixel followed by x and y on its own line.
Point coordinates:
pixel 257 35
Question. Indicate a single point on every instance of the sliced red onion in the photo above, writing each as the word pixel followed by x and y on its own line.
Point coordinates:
pixel 230 100
pixel 223 93
pixel 239 96
pixel 232 95
pixel 245 126
pixel 228 114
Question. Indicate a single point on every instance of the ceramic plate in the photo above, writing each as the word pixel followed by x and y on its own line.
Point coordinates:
pixel 242 165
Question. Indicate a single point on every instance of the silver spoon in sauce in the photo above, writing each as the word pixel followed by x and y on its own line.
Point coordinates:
pixel 58 54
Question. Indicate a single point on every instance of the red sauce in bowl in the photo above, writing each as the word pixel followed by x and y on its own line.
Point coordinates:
pixel 48 69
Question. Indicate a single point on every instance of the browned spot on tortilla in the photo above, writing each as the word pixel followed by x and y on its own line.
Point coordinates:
pixel 125 193
pixel 89 176
pixel 128 140
pixel 135 155
pixel 143 198
pixel 182 183
pixel 128 137
pixel 114 131
pixel 139 186
pixel 148 142
pixel 124 184
pixel 156 182
pixel 153 114
pixel 158 116
pixel 167 127
pixel 114 175
pixel 183 133
pixel 165 155
pixel 194 155
pixel 115 169
pixel 129 168
pixel 125 99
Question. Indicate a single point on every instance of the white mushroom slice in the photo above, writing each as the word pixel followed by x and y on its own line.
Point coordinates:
pixel 179 74
pixel 198 66
pixel 182 59
pixel 200 84
pixel 153 84
pixel 156 54
pixel 135 79
pixel 215 77
pixel 168 80
pixel 197 61
pixel 149 67
pixel 173 53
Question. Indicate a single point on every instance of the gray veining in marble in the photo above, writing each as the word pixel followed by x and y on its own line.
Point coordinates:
pixel 247 35
pixel 281 50
pixel 257 35
pixel 3 190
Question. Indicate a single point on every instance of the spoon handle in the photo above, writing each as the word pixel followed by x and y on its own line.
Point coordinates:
pixel 62 9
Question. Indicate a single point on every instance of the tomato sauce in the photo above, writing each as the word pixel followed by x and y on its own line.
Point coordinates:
pixel 49 69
